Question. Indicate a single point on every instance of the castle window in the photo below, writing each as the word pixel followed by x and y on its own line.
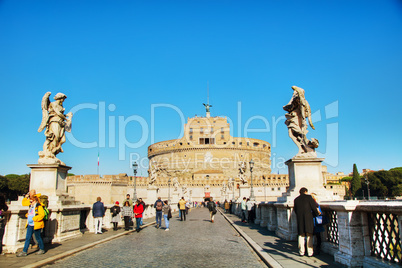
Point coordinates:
pixel 202 130
pixel 240 143
pixel 207 140
pixel 202 140
pixel 222 137
pixel 191 137
pixel 212 130
pixel 191 130
pixel 248 143
pixel 255 144
pixel 222 130
pixel 181 143
pixel 233 143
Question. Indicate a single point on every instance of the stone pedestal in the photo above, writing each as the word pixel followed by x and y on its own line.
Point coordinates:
pixel 306 172
pixel 152 194
pixel 49 179
pixel 244 191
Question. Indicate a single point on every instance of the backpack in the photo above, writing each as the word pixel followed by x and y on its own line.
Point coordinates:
pixel 46 213
pixel 159 205
pixel 43 199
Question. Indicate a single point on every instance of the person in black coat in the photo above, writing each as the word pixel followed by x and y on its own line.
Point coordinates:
pixel 305 208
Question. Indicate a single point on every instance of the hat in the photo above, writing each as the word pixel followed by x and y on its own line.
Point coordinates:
pixel 117 202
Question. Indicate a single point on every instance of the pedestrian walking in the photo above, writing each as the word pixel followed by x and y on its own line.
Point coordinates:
pixel 305 208
pixel 138 210
pixel 158 206
pixel 143 206
pixel 250 205
pixel 3 209
pixel 115 211
pixel 243 207
pixel 167 214
pixel 34 226
pixel 98 212
pixel 212 209
pixel 182 207
pixel 127 215
pixel 226 205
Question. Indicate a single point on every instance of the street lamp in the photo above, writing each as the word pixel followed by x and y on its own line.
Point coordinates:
pixel 368 186
pixel 252 197
pixel 135 166
pixel 169 181
pixel 265 188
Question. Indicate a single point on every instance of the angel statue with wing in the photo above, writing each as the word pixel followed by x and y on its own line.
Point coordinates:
pixel 56 123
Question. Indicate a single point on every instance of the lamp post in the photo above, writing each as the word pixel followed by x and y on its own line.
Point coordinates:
pixel 368 186
pixel 252 197
pixel 265 188
pixel 135 166
pixel 169 181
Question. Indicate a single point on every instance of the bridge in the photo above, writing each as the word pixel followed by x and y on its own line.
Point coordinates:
pixel 195 242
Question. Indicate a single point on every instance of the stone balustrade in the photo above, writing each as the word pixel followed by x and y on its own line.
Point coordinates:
pixel 358 233
pixel 65 222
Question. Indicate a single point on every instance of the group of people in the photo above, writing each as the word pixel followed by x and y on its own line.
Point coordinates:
pixel 247 213
pixel 307 211
pixel 129 212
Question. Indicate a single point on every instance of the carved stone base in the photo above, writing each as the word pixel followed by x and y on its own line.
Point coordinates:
pixel 49 179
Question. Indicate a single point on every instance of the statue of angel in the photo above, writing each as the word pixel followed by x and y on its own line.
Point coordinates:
pixel 152 172
pixel 242 172
pixel 230 184
pixel 207 106
pixel 298 111
pixel 175 184
pixel 56 123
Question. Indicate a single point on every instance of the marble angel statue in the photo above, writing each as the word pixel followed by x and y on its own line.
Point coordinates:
pixel 242 172
pixel 298 112
pixel 55 123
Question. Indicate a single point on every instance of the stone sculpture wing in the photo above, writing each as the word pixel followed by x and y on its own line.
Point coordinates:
pixel 45 113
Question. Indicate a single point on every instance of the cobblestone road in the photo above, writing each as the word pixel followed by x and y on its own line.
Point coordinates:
pixel 193 243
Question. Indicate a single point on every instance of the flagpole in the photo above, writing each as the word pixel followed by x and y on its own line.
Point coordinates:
pixel 98 161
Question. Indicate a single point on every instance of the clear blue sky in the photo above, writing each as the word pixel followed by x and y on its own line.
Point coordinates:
pixel 130 56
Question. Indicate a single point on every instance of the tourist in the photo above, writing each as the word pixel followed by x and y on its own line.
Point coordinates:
pixel 34 225
pixel 127 215
pixel 226 206
pixel 26 200
pixel 143 206
pixel 182 207
pixel 230 206
pixel 318 227
pixel 98 212
pixel 138 210
pixel 167 214
pixel 212 209
pixel 3 208
pixel 115 210
pixel 158 206
pixel 250 205
pixel 305 207
pixel 243 207
pixel 130 201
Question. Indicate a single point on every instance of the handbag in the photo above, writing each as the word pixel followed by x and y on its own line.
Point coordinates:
pixel 169 214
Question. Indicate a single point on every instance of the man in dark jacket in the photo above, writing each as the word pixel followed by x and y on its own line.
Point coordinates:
pixel 305 208
pixel 158 206
pixel 98 211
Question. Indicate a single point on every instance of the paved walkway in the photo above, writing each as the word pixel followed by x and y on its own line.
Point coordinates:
pixel 281 253
pixel 193 243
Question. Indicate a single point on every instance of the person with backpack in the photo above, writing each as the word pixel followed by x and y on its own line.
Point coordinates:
pixel 34 226
pixel 212 209
pixel 158 206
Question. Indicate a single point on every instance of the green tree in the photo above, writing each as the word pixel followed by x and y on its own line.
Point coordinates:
pixel 14 185
pixel 356 181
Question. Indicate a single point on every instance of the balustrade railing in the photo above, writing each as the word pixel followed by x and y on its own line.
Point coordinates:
pixel 384 236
